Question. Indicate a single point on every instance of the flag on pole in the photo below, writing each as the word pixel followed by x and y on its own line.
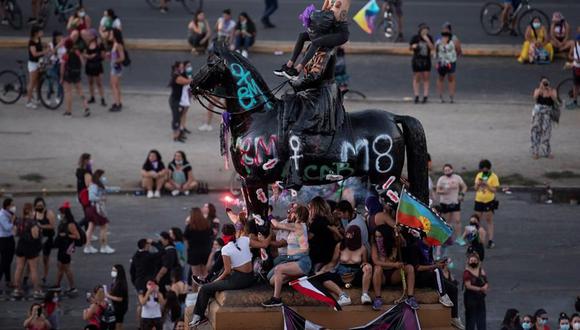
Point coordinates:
pixel 365 18
pixel 414 214
pixel 295 321
pixel 398 317
pixel 312 287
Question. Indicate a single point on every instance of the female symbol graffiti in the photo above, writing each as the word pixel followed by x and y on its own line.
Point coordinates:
pixel 368 144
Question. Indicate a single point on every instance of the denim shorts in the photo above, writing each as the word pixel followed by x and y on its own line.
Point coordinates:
pixel 303 261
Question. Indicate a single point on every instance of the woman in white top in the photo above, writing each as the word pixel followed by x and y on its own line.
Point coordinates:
pixel 238 271
pixel 451 189
pixel 152 302
pixel 447 49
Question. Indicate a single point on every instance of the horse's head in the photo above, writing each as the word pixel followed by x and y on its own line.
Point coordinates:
pixel 228 75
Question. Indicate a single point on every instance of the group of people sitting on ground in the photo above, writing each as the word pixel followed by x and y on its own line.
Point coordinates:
pixel 176 178
pixel 239 36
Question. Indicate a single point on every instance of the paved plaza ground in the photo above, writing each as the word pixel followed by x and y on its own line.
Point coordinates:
pixel 534 264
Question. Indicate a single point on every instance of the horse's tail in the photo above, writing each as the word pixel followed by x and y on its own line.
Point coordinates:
pixel 416 146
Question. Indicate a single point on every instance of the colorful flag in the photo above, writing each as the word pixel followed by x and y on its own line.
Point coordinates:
pixel 398 317
pixel 295 321
pixel 313 288
pixel 413 213
pixel 365 18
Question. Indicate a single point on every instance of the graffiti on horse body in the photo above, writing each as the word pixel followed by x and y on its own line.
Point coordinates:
pixel 336 172
pixel 248 91
pixel 380 146
pixel 258 151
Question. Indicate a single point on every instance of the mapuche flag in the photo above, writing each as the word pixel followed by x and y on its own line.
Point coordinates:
pixel 414 214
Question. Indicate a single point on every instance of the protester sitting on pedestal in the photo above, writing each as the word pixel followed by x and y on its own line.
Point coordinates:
pixel 181 180
pixel 245 34
pixel 198 238
pixel 238 272
pixel 349 265
pixel 321 240
pixel 349 217
pixel 296 262
pixel 388 267
pixel 153 174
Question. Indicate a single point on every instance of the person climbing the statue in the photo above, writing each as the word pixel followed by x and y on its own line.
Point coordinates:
pixel 326 28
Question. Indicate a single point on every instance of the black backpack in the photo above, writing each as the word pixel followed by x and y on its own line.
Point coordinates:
pixel 127 60
pixel 73 66
pixel 83 236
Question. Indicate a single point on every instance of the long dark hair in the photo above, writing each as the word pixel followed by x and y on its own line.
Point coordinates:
pixel 196 220
pixel 34 31
pixel 120 283
pixel 177 234
pixel 388 237
pixel 68 216
pixel 211 212
pixel 84 160
pixel 172 305
pixel 508 319
pixel 154 151
pixel 195 20
pixel 97 178
pixel 247 17
pixel 185 161
pixel 111 13
pixel 229 230
pixel 118 36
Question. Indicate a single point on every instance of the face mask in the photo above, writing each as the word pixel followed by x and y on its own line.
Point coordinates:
pixel 473 264
pixel 59 217
pixel 526 325
pixel 104 180
pixel 576 326
pixel 449 175
pixel 55 299
pixel 536 25
pixel 179 162
pixel 82 14
pixel 565 327
pixel 189 70
pixel 12 209
pixel 39 209
pixel 542 321
pixel 344 222
pixel 114 274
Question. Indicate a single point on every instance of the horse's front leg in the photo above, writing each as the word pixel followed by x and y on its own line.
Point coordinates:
pixel 256 197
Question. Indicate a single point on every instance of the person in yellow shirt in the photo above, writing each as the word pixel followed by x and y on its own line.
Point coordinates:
pixel 486 184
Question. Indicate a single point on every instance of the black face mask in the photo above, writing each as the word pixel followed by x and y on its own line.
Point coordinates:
pixel 449 175
pixel 39 209
pixel 473 264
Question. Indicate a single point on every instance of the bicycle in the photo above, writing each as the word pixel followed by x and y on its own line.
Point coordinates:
pixel 191 6
pixel 490 17
pixel 13 85
pixel 13 14
pixel 566 95
pixel 388 28
pixel 62 9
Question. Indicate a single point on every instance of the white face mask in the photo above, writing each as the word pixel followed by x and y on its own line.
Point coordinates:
pixel 114 274
pixel 12 209
pixel 82 14
pixel 576 326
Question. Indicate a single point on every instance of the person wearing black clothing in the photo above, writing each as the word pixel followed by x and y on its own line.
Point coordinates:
pixel 70 77
pixel 429 273
pixel 178 80
pixel 36 51
pixel 245 33
pixel 153 174
pixel 476 287
pixel 320 238
pixel 119 295
pixel 511 320
pixel 7 243
pixel 169 260
pixel 66 235
pixel 270 8
pixel 198 239
pixel 47 222
pixel 422 45
pixel 143 265
pixel 94 55
pixel 84 176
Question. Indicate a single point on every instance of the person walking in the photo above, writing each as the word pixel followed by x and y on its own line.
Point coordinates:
pixel 97 214
pixel 119 295
pixel 36 51
pixel 270 8
pixel 84 176
pixel 451 190
pixel 7 243
pixel 422 45
pixel 27 251
pixel 476 287
pixel 47 223
pixel 544 113
pixel 94 55
pixel 486 184
pixel 67 235
pixel 70 76
pixel 447 49
pixel 117 58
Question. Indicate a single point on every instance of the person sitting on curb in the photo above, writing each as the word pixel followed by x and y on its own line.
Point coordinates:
pixel 181 180
pixel 153 174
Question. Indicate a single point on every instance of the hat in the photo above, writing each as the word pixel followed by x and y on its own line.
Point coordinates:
pixel 65 205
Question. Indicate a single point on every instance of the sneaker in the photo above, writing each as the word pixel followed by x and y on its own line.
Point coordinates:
pixel 91 100
pixel 87 112
pixel 106 250
pixel 460 241
pixel 103 103
pixel 89 249
pixel 291 74
pixel 416 99
pixel 163 10
pixel 202 127
pixel 31 105
pixel 456 323
pixel 490 244
pixel 198 280
pixel 244 53
pixel 150 194
pixel 445 301
pixel 280 72
pixel 115 108
pixel 186 193
pixel 55 288
pixel 38 295
pixel 424 99
pixel 31 20
pixel 272 302
pixel 67 114
pixel 344 300
pixel 197 321
pixel 16 294
pixel 412 302
pixel 71 292
pixel 157 194
pixel 208 128
pixel 175 193
pixel 377 303
pixel 365 299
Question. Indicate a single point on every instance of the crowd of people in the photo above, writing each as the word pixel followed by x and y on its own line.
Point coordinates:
pixel 539 320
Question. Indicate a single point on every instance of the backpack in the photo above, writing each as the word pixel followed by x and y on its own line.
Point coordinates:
pixel 73 66
pixel 83 236
pixel 84 198
pixel 541 56
pixel 127 60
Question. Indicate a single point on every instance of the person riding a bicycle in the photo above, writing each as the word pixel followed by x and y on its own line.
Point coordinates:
pixel 509 6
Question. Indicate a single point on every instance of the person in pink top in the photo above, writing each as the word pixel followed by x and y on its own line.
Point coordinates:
pixel 451 189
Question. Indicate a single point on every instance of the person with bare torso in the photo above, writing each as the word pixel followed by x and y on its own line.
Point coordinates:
pixel 320 37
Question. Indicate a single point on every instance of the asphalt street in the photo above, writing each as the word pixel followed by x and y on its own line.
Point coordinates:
pixel 496 79
pixel 140 21
pixel 534 264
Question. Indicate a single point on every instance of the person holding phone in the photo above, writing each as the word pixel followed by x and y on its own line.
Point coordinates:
pixel 36 319
pixel 152 302
pixel 543 115
pixel 486 184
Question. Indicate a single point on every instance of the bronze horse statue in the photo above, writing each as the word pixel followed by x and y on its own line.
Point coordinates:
pixel 366 143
